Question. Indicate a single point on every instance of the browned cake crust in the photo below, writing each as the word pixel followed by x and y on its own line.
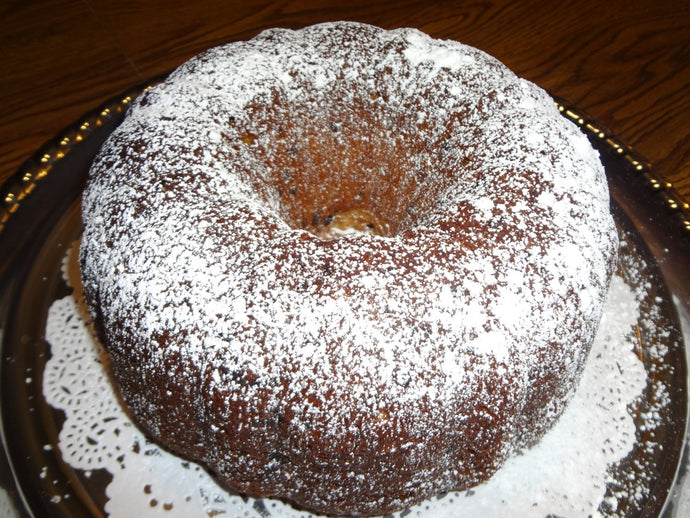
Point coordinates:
pixel 347 267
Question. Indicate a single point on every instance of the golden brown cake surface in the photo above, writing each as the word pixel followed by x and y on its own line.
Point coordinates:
pixel 347 267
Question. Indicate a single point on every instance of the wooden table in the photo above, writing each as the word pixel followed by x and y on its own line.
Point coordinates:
pixel 627 64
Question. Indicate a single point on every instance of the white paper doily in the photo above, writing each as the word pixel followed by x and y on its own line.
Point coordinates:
pixel 7 508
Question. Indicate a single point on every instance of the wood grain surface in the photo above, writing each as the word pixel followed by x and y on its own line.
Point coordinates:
pixel 625 63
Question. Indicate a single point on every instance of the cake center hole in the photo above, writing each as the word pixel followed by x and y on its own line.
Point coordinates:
pixel 347 223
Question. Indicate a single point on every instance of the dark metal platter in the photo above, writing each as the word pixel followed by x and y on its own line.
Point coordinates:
pixel 39 219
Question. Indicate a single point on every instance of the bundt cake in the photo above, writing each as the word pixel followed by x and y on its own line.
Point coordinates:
pixel 346 267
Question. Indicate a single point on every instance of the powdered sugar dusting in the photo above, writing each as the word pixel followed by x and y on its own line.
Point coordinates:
pixel 244 341
pixel 441 54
